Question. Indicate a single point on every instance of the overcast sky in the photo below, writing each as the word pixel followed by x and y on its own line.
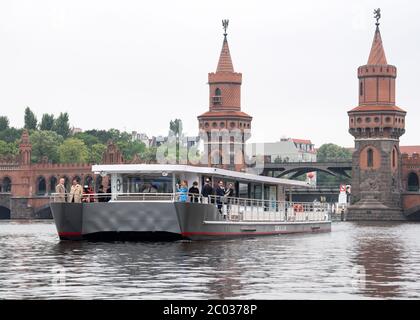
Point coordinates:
pixel 135 65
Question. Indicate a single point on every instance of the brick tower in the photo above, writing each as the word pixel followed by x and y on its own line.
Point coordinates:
pixel 225 128
pixel 25 149
pixel 376 124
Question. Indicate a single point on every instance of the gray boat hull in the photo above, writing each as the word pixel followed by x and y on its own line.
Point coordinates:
pixel 162 221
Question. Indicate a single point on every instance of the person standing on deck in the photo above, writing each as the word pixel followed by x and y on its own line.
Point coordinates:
pixel 220 194
pixel 60 189
pixel 207 191
pixel 76 192
pixel 183 191
pixel 194 192
pixel 85 195
pixel 228 194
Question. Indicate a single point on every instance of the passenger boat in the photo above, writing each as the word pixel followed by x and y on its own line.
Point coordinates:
pixel 144 205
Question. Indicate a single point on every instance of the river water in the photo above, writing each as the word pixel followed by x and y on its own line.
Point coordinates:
pixel 354 261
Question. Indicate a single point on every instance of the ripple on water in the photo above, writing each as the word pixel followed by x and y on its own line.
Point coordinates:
pixel 354 261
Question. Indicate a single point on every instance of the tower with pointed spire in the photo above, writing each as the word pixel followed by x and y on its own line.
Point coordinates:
pixel 376 124
pixel 224 127
pixel 25 149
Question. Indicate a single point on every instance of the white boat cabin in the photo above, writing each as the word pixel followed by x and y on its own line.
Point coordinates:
pixel 142 178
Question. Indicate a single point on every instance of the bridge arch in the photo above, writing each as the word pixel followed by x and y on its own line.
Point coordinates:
pixel 41 186
pixel 299 171
pixel 88 181
pixel 6 184
pixel 98 182
pixel 413 182
pixel 333 167
pixel 43 212
pixel 67 182
pixel 4 213
pixel 53 181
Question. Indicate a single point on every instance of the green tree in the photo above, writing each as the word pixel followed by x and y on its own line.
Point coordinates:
pixel 4 148
pixel 149 155
pixel 61 125
pixel 102 135
pixel 105 135
pixel 331 151
pixel 45 144
pixel 73 150
pixel 47 122
pixel 30 119
pixel 4 123
pixel 87 138
pixel 8 148
pixel 96 152
pixel 130 148
pixel 10 134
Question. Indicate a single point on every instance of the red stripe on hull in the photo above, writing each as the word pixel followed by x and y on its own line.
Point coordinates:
pixel 70 234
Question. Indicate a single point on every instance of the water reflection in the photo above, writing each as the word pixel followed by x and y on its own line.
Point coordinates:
pixel 34 264
pixel 379 250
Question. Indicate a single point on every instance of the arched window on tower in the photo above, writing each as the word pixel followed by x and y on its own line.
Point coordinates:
pixel 370 158
pixel 361 88
pixel 217 98
pixel 413 182
pixel 394 158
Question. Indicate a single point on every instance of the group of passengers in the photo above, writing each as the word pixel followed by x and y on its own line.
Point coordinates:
pixel 218 195
pixel 79 194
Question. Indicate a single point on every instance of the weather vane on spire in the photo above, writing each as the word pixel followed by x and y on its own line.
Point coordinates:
pixel 225 24
pixel 377 15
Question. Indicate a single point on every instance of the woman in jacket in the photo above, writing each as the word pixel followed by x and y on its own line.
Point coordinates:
pixel 183 191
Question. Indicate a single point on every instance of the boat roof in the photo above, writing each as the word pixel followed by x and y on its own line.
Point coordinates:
pixel 170 168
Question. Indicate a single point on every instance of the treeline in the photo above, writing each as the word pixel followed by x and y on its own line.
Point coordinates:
pixel 52 138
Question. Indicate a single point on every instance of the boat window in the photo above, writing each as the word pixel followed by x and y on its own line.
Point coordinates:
pixel 270 194
pixel 243 190
pixel 256 191
pixel 147 184
pixel 266 192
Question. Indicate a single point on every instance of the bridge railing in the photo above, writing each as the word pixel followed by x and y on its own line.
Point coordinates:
pixel 300 161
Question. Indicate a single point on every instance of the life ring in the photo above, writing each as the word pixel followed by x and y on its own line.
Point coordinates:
pixel 298 207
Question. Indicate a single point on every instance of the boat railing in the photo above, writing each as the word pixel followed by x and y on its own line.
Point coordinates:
pixel 228 208
pixel 245 209
pixel 106 197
